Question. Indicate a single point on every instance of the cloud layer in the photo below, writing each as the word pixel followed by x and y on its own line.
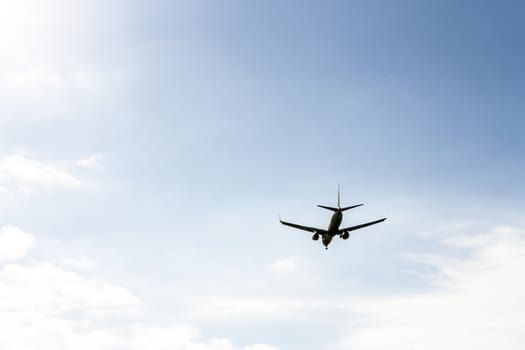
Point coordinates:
pixel 473 300
pixel 476 303
pixel 64 305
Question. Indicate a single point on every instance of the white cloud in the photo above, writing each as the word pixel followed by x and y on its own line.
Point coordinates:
pixel 92 162
pixel 20 174
pixel 80 264
pixel 48 289
pixel 260 347
pixel 14 243
pixel 49 91
pixel 50 306
pixel 259 308
pixel 477 303
pixel 182 337
pixel 285 266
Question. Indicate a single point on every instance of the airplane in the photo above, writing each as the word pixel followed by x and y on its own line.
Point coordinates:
pixel 333 228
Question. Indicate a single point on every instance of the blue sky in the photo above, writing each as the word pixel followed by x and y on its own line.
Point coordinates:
pixel 148 147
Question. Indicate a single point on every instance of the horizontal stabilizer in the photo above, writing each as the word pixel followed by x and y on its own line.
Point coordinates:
pixel 337 209
pixel 351 207
pixel 329 208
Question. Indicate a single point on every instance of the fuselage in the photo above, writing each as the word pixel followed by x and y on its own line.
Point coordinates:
pixel 335 221
pixel 333 227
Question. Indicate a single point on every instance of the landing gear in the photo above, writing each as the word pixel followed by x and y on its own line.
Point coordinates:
pixel 326 248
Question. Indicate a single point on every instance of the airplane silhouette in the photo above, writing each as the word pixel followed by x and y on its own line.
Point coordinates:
pixel 333 228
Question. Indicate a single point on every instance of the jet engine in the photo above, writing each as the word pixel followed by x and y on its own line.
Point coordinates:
pixel 315 237
pixel 345 235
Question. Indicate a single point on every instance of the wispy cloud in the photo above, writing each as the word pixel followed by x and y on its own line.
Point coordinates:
pixel 20 174
pixel 82 263
pixel 285 266
pixel 477 302
pixel 14 243
pixel 91 162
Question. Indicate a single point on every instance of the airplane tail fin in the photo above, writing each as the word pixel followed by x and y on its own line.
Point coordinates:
pixel 339 196
pixel 339 203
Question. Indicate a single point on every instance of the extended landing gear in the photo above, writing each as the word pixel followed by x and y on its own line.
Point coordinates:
pixel 325 248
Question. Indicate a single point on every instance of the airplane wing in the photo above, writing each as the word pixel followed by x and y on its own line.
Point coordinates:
pixel 304 228
pixel 357 227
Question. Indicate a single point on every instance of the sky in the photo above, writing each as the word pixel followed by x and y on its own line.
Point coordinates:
pixel 148 148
